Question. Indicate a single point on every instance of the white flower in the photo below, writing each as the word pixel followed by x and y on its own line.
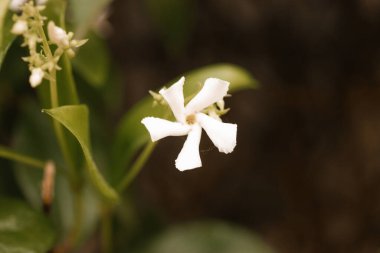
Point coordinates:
pixel 36 77
pixel 19 27
pixel 15 5
pixel 58 36
pixel 191 120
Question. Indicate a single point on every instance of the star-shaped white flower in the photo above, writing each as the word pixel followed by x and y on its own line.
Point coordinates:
pixel 191 120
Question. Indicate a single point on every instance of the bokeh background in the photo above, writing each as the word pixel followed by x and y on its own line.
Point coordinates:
pixel 305 174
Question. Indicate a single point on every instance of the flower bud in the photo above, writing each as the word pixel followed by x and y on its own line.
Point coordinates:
pixel 58 36
pixel 15 5
pixel 47 186
pixel 19 27
pixel 35 78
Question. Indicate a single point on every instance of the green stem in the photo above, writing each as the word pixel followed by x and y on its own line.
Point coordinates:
pixel 55 103
pixel 78 217
pixel 106 230
pixel 70 83
pixel 59 132
pixel 136 167
pixel 11 155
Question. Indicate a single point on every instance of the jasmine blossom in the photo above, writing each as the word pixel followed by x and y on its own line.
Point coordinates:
pixel 190 120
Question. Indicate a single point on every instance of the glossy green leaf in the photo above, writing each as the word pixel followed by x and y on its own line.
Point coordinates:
pixel 207 237
pixel 22 229
pixel 34 136
pixel 6 22
pixel 132 135
pixel 92 61
pixel 75 118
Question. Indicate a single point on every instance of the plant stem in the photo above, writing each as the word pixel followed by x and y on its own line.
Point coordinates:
pixel 11 155
pixel 136 167
pixel 74 178
pixel 106 229
pixel 55 103
pixel 70 83
pixel 78 217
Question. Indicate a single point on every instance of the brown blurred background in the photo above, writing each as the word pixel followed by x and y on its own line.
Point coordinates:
pixel 306 172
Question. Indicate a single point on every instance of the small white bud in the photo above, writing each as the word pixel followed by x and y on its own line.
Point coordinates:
pixel 15 5
pixel 19 27
pixel 35 78
pixel 58 36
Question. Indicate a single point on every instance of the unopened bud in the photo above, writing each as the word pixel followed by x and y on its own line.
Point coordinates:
pixel 157 97
pixel 57 35
pixel 15 5
pixel 47 186
pixel 35 78
pixel 19 27
pixel 70 53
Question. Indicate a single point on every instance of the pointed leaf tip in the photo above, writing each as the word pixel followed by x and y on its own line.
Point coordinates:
pixel 76 119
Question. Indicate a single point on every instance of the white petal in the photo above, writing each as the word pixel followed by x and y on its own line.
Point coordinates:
pixel 57 35
pixel 15 5
pixel 223 135
pixel 189 157
pixel 212 91
pixel 36 77
pixel 160 128
pixel 174 96
pixel 19 27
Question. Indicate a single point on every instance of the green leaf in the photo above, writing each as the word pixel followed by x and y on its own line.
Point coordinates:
pixel 22 229
pixel 6 22
pixel 34 136
pixel 93 61
pixel 207 237
pixel 132 135
pixel 75 118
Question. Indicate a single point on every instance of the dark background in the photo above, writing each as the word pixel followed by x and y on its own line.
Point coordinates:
pixel 306 171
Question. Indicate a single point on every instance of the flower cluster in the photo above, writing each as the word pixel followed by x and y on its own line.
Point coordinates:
pixel 29 23
pixel 16 5
pixel 200 112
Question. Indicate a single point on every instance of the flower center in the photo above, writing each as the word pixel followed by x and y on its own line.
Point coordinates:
pixel 190 119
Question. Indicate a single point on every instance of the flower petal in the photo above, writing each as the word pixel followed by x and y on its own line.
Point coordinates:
pixel 189 157
pixel 20 27
pixel 223 135
pixel 36 77
pixel 174 96
pixel 212 91
pixel 57 35
pixel 160 128
pixel 15 5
